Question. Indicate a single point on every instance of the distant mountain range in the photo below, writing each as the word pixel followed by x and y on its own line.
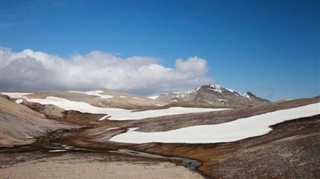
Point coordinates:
pixel 212 94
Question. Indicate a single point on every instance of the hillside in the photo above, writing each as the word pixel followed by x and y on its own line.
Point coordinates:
pixel 20 125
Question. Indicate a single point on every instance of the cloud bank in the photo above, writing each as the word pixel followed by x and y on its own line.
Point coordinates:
pixel 34 70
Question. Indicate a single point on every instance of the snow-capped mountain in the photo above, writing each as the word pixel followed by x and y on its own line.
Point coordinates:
pixel 212 94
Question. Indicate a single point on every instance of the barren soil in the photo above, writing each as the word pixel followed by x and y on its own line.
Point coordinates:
pixel 90 165
pixel 291 150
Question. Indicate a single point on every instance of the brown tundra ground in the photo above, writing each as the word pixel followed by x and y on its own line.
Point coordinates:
pixel 290 150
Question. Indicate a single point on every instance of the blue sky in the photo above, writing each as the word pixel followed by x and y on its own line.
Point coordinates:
pixel 269 48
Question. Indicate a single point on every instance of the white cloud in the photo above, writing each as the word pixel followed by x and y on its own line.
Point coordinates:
pixel 29 70
pixel 193 64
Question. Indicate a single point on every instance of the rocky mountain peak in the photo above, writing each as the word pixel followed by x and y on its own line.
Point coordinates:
pixel 248 94
pixel 213 94
pixel 215 86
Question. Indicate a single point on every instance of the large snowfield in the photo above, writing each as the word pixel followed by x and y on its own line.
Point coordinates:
pixel 226 132
pixel 111 113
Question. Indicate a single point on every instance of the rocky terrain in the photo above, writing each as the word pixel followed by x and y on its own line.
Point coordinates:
pixel 37 132
pixel 20 125
pixel 212 94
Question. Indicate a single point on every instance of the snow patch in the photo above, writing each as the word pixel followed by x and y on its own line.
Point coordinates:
pixel 182 95
pixel 70 105
pixel 19 101
pixel 132 129
pixel 112 128
pixel 103 118
pixel 93 93
pixel 233 91
pixel 138 98
pixel 222 100
pixel 226 132
pixel 216 88
pixel 123 97
pixel 15 95
pixel 246 95
pixel 153 97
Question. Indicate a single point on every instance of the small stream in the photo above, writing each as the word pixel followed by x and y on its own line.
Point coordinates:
pixel 45 144
pixel 189 163
pixel 60 148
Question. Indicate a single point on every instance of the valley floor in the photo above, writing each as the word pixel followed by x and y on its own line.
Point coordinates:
pixel 88 165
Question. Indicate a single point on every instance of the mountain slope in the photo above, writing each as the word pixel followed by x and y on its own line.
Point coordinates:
pixel 20 125
pixel 213 94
